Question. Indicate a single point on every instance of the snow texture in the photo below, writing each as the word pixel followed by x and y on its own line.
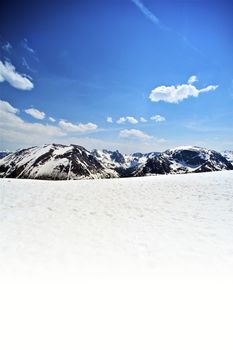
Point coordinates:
pixel 162 221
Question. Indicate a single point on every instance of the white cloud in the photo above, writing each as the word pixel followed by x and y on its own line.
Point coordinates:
pixel 80 128
pixel 121 120
pixel 14 130
pixel 35 113
pixel 175 94
pixel 17 80
pixel 132 120
pixel 192 79
pixel 109 120
pixel 143 120
pixel 16 133
pixel 158 118
pixel 52 119
pixel 135 133
pixel 6 107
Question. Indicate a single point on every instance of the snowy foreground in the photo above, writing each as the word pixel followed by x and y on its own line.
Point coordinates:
pixel 157 222
pixel 137 263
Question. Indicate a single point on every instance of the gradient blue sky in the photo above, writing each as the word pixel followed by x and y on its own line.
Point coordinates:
pixel 93 59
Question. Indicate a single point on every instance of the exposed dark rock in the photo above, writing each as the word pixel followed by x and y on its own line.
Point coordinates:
pixel 117 157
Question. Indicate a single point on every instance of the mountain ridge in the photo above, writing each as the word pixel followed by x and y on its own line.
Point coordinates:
pixel 71 162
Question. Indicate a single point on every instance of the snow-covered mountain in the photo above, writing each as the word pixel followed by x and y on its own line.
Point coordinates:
pixel 60 162
pixel 123 164
pixel 57 162
pixel 185 159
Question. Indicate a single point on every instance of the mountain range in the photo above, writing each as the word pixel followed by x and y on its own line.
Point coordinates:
pixel 62 162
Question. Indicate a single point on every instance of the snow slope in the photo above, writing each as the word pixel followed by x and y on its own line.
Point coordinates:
pixel 163 221
pixel 134 263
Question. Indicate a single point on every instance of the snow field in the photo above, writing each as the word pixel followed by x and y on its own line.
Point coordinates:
pixel 139 263
pixel 155 222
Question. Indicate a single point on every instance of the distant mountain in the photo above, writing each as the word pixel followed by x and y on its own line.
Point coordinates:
pixel 122 164
pixel 187 159
pixel 60 162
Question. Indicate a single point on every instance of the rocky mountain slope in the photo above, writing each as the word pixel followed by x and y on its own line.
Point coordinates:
pixel 55 162
pixel 60 162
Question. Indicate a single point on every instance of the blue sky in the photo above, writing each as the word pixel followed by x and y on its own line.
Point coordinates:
pixel 119 74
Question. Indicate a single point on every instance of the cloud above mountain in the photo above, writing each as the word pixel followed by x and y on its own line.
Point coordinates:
pixel 14 129
pixel 178 93
pixel 80 128
pixel 17 133
pixel 135 133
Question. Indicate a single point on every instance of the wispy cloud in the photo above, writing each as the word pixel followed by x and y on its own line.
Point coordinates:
pixel 188 43
pixel 150 15
pixel 52 119
pixel 15 79
pixel 26 46
pixel 26 65
pixel 138 135
pixel 7 47
pixel 205 126
pixel 153 18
